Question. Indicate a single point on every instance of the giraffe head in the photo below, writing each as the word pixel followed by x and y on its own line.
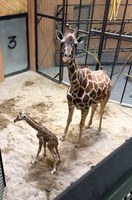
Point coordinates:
pixel 20 117
pixel 69 42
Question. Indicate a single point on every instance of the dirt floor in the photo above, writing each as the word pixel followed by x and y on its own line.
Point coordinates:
pixel 46 102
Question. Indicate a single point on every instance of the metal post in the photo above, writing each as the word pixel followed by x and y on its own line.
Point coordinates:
pixel 106 12
pixel 89 35
pixel 119 40
pixel 36 35
pixel 66 7
pixel 79 14
pixel 2 169
pixel 62 29
pixel 126 82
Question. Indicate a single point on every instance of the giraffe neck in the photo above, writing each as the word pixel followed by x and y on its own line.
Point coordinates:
pixel 73 73
pixel 32 123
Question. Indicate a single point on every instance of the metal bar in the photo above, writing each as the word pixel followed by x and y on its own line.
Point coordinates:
pixel 49 16
pixel 2 169
pixel 103 31
pixel 119 41
pixel 38 20
pixel 36 35
pixel 89 34
pixel 95 32
pixel 126 82
pixel 47 76
pixel 27 32
pixel 79 14
pixel 59 11
pixel 62 28
pixel 56 75
pixel 66 6
pixel 112 35
pixel 84 21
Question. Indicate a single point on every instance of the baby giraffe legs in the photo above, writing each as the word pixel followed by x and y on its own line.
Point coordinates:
pixel 41 142
pixel 56 156
pixel 52 146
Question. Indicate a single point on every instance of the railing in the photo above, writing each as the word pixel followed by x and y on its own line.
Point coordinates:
pixel 2 178
pixel 111 179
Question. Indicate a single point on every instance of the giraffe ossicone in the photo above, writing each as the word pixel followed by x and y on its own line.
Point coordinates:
pixel 87 88
pixel 45 137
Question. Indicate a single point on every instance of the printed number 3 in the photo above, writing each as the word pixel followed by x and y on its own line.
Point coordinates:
pixel 12 42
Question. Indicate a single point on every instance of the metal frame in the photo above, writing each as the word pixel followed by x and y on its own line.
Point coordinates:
pixel 57 19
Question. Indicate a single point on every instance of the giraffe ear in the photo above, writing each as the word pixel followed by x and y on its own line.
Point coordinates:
pixel 81 39
pixel 59 36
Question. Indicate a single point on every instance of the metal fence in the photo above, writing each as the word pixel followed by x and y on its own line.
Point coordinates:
pixel 2 178
pixel 109 41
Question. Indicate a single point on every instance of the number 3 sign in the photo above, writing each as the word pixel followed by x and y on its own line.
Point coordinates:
pixel 12 42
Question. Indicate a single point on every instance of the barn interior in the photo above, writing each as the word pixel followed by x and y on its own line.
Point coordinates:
pixel 33 78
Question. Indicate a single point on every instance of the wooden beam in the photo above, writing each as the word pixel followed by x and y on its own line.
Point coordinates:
pixel 31 31
pixel 1 67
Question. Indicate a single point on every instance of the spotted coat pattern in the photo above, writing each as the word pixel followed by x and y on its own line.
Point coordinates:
pixel 87 88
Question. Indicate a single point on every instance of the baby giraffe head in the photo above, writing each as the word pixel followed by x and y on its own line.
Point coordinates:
pixel 69 42
pixel 20 117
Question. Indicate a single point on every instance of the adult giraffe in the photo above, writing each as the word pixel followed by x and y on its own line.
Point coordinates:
pixel 87 88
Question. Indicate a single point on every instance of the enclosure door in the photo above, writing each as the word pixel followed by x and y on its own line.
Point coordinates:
pixel 13 41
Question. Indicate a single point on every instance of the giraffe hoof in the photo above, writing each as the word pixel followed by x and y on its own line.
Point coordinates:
pixel 98 132
pixel 53 171
pixel 63 138
pixel 78 145
pixel 33 162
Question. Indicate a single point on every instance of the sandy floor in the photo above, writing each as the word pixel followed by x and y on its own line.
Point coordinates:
pixel 46 102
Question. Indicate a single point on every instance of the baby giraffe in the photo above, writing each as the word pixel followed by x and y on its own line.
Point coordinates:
pixel 45 136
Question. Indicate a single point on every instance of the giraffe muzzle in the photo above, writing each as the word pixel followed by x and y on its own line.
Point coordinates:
pixel 66 59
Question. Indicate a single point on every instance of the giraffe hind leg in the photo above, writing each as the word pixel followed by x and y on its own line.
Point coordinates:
pixel 93 109
pixel 82 123
pixel 57 153
pixel 52 150
pixel 102 107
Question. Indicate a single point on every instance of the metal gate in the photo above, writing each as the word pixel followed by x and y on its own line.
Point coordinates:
pixel 47 18
pixel 109 41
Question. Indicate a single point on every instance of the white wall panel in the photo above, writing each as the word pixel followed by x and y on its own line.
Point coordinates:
pixel 13 40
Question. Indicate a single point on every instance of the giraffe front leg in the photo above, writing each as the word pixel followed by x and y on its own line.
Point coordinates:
pixel 82 123
pixel 69 119
pixel 39 149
